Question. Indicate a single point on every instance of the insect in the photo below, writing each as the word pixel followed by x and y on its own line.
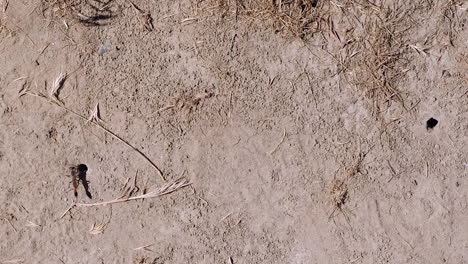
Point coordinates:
pixel 78 174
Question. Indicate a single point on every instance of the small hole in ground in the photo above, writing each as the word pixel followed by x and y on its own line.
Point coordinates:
pixel 431 123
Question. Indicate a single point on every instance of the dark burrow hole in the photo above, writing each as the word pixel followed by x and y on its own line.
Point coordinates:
pixel 431 123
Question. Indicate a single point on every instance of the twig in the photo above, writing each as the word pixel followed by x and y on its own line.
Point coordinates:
pixel 393 171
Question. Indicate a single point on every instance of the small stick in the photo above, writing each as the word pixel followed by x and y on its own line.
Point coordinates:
pixel 465 92
pixel 195 193
pixel 238 222
pixel 226 216
pixel 354 260
pixel 282 140
pixel 166 108
pixel 136 7
pixel 69 208
pixel 43 49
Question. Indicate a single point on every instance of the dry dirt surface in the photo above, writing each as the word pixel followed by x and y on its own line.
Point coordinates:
pixel 233 131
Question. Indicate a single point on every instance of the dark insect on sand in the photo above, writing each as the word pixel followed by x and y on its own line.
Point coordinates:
pixel 78 174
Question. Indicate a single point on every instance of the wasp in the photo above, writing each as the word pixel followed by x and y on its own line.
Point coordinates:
pixel 78 174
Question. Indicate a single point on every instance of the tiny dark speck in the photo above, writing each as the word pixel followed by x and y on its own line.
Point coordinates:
pixel 431 123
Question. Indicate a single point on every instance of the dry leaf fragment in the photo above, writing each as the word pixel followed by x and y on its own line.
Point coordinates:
pixel 95 114
pixel 98 229
pixel 57 85
pixel 31 224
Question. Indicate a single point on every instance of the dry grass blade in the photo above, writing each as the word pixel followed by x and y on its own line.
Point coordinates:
pixel 339 191
pixel 61 105
pixel 189 19
pixel 145 247
pixel 127 191
pixel 95 114
pixel 13 261
pixel 19 79
pixel 299 18
pixel 98 229
pixel 165 189
pixel 166 108
pixel 66 211
pixel 56 86
pixel 418 49
pixel 277 146
pixel 128 144
pixel 8 218
pixel 31 224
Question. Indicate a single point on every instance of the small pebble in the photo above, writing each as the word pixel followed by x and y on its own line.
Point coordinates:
pixel 103 49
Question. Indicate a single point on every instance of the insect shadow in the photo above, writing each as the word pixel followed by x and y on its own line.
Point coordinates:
pixel 78 174
pixel 95 12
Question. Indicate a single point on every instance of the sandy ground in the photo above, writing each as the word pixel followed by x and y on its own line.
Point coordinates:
pixel 301 126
